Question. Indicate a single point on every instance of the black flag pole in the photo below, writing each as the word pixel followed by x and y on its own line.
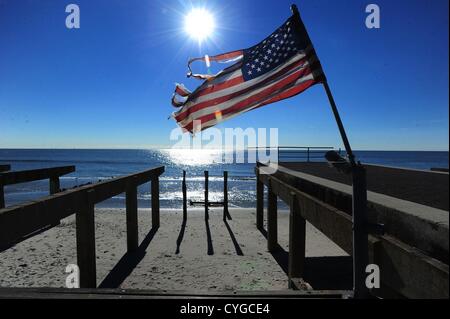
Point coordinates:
pixel 359 198
pixel 347 146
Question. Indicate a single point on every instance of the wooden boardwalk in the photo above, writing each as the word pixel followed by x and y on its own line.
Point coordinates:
pixel 411 251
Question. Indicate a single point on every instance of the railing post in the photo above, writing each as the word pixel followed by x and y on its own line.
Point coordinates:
pixel 54 184
pixel 360 236
pixel 226 213
pixel 272 223
pixel 307 153
pixel 259 202
pixel 85 230
pixel 297 240
pixel 183 188
pixel 206 196
pixel 132 218
pixel 155 202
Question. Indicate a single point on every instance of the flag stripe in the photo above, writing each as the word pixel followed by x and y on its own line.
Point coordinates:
pixel 300 86
pixel 220 109
pixel 221 96
pixel 248 99
pixel 181 90
pixel 224 101
pixel 215 87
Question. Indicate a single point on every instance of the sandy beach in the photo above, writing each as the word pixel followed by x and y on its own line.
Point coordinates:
pixel 230 256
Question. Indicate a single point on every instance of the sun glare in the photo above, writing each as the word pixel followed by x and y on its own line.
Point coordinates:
pixel 199 24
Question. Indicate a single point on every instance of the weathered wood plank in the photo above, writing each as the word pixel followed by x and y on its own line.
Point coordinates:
pixel 272 219
pixel 54 185
pixel 184 191
pixel 85 230
pixel 132 218
pixel 15 177
pixel 83 293
pixel 409 272
pixel 2 197
pixel 155 202
pixel 226 212
pixel 206 196
pixel 297 241
pixel 259 202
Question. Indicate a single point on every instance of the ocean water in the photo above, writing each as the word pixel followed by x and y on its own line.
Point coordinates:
pixel 94 165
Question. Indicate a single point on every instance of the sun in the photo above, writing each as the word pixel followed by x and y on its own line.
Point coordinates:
pixel 199 24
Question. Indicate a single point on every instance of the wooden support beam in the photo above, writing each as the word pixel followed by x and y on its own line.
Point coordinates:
pixel 155 202
pixel 226 212
pixel 184 190
pixel 272 222
pixel 85 224
pixel 297 240
pixel 132 217
pixel 259 202
pixel 54 184
pixel 16 177
pixel 206 196
pixel 54 188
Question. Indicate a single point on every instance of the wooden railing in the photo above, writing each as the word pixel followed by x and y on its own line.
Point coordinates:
pixel 16 177
pixel 22 221
pixel 404 269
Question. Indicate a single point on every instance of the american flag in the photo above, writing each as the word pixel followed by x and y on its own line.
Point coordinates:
pixel 282 65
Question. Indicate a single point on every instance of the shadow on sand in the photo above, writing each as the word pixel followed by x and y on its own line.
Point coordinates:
pixel 210 248
pixel 237 247
pixel 322 273
pixel 181 234
pixel 127 263
pixel 208 238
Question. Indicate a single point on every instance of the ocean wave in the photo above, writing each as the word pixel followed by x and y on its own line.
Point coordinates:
pixel 238 195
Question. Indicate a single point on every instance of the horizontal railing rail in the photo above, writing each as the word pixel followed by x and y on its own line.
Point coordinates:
pixel 17 177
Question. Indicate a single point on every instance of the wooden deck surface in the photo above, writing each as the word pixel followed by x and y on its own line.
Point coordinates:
pixel 422 187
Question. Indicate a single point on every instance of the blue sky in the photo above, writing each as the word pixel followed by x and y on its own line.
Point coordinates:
pixel 109 83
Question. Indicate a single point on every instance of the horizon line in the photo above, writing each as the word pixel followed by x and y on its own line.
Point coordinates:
pixel 204 148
